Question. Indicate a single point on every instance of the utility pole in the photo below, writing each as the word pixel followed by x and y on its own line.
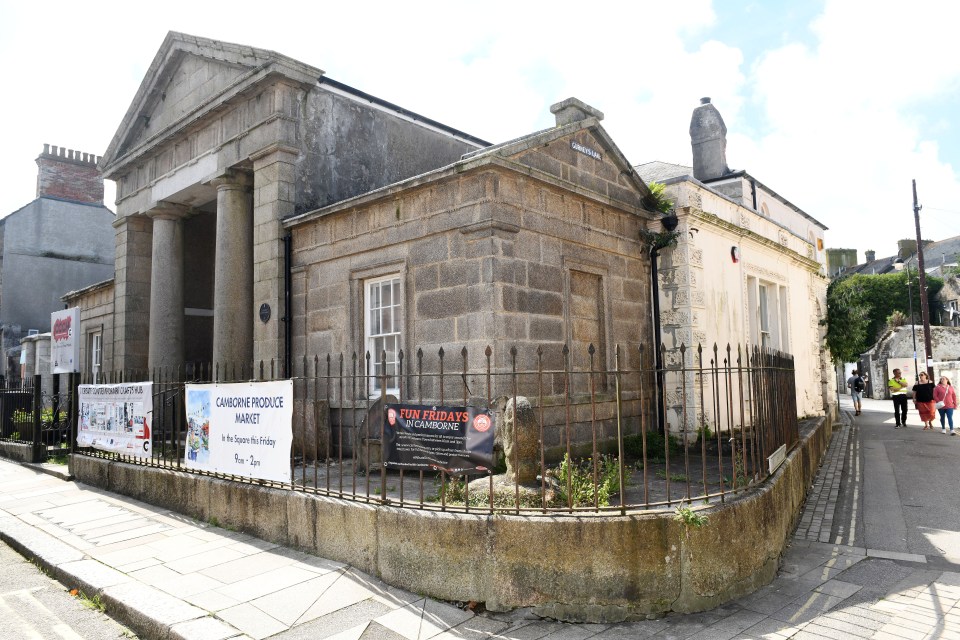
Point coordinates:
pixel 924 306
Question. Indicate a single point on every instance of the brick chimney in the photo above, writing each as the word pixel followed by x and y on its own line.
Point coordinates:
pixel 708 137
pixel 70 175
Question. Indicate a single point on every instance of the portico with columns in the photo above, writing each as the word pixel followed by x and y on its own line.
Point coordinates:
pixel 220 144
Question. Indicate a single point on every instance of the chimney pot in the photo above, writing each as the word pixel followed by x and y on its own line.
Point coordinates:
pixel 705 100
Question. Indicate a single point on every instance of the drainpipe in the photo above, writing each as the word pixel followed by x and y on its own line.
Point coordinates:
pixel 669 223
pixel 287 305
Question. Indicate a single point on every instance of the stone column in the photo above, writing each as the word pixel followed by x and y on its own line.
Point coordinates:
pixel 274 175
pixel 42 363
pixel 166 286
pixel 132 292
pixel 29 345
pixel 233 274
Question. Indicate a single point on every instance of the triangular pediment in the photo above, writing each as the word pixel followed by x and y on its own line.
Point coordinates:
pixel 581 153
pixel 188 85
pixel 188 76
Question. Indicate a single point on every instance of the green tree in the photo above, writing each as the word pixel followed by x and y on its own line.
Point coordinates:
pixel 858 307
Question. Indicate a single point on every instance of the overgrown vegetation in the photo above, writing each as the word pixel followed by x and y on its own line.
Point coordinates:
pixel 859 306
pixel 46 416
pixel 633 446
pixel 658 200
pixel 576 474
pixel 689 518
pixel 579 476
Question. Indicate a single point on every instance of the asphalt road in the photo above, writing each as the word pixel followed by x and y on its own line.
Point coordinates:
pixel 36 607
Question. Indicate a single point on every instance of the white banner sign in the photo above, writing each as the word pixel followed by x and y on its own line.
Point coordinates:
pixel 65 341
pixel 243 429
pixel 116 417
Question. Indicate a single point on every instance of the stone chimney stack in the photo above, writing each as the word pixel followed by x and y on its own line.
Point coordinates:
pixel 906 248
pixel 708 137
pixel 573 110
pixel 870 254
pixel 70 175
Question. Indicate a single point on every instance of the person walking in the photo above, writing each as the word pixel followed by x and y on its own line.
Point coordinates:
pixel 946 399
pixel 855 384
pixel 923 401
pixel 899 387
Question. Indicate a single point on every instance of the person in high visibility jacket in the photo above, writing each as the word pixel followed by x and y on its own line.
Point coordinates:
pixel 899 391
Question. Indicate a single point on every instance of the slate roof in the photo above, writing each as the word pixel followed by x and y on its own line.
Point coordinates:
pixel 658 171
pixel 944 253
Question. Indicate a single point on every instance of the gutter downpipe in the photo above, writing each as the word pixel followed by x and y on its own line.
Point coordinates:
pixel 288 305
pixel 669 223
pixel 658 356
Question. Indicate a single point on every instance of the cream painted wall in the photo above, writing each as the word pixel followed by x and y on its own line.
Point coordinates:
pixel 707 297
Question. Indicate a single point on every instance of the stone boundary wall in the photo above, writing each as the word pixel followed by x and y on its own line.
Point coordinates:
pixel 586 568
pixel 21 452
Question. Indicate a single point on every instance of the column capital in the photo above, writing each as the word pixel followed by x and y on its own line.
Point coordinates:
pixel 170 211
pixel 232 179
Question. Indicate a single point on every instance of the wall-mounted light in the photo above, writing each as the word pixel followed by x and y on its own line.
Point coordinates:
pixel 735 254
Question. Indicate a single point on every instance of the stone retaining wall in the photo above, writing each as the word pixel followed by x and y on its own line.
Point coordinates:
pixel 590 568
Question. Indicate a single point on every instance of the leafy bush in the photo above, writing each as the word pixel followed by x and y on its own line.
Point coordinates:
pixel 579 476
pixel 633 446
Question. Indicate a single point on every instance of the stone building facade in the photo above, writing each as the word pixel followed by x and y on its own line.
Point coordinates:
pixel 748 269
pixel 221 143
pixel 60 241
pixel 533 244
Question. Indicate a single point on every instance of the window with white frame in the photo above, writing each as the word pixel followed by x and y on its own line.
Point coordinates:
pixel 96 355
pixel 769 316
pixel 764 316
pixel 383 310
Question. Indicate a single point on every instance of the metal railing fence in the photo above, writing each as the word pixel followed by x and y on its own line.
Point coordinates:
pixel 600 446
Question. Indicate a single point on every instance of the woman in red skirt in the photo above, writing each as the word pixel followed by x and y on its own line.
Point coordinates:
pixel 923 401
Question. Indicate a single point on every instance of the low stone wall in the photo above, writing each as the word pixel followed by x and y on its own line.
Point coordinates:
pixel 21 452
pixel 590 568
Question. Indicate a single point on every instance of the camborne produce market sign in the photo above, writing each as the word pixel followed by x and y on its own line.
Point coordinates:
pixel 243 429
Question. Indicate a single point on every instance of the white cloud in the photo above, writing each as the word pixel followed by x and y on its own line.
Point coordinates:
pixel 839 126
pixel 844 138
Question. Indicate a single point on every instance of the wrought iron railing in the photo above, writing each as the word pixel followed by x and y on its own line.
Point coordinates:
pixel 615 438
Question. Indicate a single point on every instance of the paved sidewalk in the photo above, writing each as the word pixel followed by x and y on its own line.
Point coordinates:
pixel 168 576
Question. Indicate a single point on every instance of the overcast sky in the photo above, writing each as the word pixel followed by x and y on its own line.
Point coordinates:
pixel 834 105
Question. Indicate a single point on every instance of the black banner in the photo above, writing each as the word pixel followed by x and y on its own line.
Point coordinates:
pixel 452 439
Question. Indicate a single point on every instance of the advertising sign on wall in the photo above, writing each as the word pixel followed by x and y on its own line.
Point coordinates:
pixel 116 417
pixel 65 341
pixel 243 429
pixel 452 439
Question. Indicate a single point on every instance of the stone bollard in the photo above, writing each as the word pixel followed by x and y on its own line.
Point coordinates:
pixel 521 441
